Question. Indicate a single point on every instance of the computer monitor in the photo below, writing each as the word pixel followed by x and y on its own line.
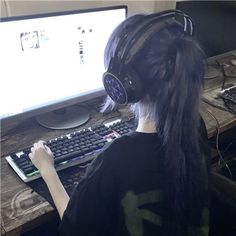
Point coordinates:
pixel 52 61
pixel 215 24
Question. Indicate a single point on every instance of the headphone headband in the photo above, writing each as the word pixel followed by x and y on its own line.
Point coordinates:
pixel 121 81
pixel 147 28
pixel 138 43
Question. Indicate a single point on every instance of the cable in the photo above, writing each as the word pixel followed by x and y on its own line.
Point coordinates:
pixel 222 67
pixel 217 145
pixel 213 105
pixel 84 166
pixel 226 103
pixel 227 147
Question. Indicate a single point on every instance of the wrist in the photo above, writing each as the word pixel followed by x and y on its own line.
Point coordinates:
pixel 48 172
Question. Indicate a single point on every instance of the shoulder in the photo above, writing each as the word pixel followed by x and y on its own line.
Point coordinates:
pixel 113 150
pixel 117 144
pixel 109 156
pixel 127 145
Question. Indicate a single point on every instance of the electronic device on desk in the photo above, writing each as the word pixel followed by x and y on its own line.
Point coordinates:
pixel 214 22
pixel 72 149
pixel 229 94
pixel 53 61
pixel 229 97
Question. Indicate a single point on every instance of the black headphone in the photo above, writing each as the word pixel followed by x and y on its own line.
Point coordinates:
pixel 120 80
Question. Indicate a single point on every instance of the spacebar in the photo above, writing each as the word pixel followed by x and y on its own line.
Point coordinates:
pixel 69 156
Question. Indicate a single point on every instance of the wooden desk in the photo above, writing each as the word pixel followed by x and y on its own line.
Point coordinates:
pixel 226 120
pixel 22 209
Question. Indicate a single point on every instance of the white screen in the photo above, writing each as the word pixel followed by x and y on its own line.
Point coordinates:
pixel 52 59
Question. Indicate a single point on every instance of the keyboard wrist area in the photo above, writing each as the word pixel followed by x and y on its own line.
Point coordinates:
pixel 48 172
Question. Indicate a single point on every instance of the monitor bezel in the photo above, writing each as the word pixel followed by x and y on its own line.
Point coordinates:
pixel 66 103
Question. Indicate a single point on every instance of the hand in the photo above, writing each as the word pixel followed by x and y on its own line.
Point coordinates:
pixel 42 157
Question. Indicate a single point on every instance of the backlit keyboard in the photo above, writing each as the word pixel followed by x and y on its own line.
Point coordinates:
pixel 71 149
pixel 229 94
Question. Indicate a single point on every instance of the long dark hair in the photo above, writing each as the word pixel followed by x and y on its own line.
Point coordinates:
pixel 171 66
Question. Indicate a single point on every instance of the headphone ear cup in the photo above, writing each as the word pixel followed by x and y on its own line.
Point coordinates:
pixel 121 81
pixel 115 88
pixel 123 89
pixel 133 86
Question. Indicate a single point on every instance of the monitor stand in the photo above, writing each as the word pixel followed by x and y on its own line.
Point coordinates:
pixel 65 118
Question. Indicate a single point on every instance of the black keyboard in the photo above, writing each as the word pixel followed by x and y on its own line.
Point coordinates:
pixel 229 94
pixel 72 149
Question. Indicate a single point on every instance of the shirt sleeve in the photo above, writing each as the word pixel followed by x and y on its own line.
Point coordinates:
pixel 91 207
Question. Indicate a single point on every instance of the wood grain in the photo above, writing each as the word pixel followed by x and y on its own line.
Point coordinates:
pixel 22 209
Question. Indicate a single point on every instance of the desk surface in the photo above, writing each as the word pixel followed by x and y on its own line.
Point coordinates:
pixel 22 209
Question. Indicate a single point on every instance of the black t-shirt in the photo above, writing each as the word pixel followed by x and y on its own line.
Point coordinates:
pixel 121 193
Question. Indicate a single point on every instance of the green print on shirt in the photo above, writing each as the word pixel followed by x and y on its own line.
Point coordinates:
pixel 134 215
pixel 202 230
pixel 205 219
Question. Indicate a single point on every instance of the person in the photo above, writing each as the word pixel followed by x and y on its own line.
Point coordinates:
pixel 29 40
pixel 153 181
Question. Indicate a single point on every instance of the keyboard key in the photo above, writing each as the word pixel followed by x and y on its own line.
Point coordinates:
pixel 71 149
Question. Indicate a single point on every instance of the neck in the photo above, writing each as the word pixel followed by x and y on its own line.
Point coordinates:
pixel 146 126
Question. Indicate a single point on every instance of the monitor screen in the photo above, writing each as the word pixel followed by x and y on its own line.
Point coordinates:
pixel 215 24
pixel 52 60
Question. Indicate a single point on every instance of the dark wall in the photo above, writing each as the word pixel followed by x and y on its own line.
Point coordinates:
pixel 215 24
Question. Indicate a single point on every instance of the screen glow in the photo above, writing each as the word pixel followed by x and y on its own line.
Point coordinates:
pixel 48 60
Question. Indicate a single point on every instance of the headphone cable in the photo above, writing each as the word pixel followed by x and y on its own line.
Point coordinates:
pixel 217 145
